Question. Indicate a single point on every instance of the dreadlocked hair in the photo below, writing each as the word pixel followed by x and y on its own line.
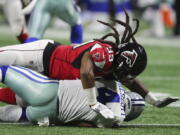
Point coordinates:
pixel 128 34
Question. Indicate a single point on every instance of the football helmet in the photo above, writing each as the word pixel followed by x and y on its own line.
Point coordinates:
pixel 130 60
pixel 133 105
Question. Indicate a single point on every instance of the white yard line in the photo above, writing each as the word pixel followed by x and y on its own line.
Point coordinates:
pixel 160 78
pixel 64 35
pixel 137 125
pixel 164 62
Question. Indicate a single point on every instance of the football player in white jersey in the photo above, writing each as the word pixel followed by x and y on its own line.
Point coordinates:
pixel 13 12
pixel 65 10
pixel 60 102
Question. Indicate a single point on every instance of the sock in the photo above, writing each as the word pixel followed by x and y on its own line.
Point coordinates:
pixel 7 96
pixel 22 37
pixel 23 117
pixel 31 39
pixel 3 70
pixel 76 34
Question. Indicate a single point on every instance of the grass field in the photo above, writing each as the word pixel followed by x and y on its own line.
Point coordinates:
pixel 161 76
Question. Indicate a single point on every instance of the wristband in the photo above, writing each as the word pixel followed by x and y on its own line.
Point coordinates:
pixel 91 95
pixel 150 98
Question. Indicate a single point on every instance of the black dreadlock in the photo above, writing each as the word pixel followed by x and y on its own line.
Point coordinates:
pixel 127 35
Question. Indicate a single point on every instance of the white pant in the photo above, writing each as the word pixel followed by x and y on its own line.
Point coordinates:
pixel 13 12
pixel 28 55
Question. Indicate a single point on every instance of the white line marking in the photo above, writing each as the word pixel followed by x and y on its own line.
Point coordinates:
pixel 160 78
pixel 164 63
pixel 121 126
pixel 149 125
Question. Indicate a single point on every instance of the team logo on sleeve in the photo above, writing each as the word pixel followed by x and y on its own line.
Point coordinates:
pixel 130 56
pixel 98 55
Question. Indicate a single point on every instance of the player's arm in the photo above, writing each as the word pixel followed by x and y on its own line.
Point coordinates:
pixel 87 78
pixel 86 71
pixel 88 83
pixel 137 86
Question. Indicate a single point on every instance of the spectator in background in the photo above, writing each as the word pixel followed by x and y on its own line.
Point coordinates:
pixel 159 15
pixel 103 10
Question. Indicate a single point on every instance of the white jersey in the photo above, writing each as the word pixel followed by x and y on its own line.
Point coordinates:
pixel 73 104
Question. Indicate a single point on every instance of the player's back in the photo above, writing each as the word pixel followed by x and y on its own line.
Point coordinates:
pixel 73 105
pixel 66 60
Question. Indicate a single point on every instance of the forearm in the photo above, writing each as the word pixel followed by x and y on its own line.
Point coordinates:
pixel 89 87
pixel 87 79
pixel 136 86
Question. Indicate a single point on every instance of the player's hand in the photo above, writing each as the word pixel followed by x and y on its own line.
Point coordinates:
pixel 43 122
pixel 166 101
pixel 103 110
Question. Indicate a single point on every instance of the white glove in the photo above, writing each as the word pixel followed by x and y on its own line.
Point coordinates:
pixel 43 122
pixel 103 110
pixel 166 101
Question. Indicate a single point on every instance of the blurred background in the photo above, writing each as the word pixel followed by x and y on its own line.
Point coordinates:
pixel 159 19
pixel 75 21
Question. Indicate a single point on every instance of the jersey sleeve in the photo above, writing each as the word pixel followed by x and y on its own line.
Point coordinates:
pixel 102 56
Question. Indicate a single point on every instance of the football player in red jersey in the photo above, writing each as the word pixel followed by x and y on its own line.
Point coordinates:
pixel 122 60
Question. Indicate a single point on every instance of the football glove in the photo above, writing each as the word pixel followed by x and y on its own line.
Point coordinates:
pixel 43 122
pixel 166 101
pixel 103 110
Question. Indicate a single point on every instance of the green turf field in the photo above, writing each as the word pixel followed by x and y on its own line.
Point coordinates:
pixel 161 76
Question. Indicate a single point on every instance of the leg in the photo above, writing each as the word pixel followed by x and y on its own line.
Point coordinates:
pixel 37 27
pixel 16 19
pixel 32 87
pixel 10 113
pixel 76 34
pixel 15 113
pixel 7 96
pixel 27 55
pixel 34 113
pixel 71 14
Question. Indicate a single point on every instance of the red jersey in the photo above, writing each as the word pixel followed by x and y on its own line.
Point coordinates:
pixel 65 61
